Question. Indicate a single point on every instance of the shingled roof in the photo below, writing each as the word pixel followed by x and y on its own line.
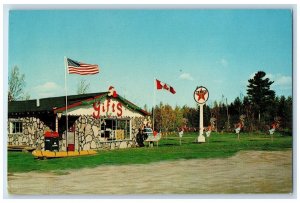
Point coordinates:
pixel 48 105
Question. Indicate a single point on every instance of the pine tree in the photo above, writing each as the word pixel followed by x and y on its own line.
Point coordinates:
pixel 259 92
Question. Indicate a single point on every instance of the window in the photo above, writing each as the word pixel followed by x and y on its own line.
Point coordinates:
pixel 16 127
pixel 108 127
pixel 125 126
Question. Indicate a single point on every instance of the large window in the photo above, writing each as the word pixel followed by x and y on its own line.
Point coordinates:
pixel 16 127
pixel 124 125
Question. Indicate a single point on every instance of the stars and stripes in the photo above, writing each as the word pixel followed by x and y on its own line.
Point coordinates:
pixel 75 67
pixel 160 85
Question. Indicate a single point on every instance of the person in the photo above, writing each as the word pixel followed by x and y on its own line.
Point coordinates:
pixel 140 138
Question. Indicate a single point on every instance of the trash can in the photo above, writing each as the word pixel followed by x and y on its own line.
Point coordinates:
pixel 51 141
pixel 71 147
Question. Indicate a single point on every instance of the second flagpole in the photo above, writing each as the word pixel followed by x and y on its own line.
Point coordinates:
pixel 153 105
pixel 66 91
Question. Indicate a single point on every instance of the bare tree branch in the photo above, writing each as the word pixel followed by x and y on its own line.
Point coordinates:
pixel 16 83
pixel 83 87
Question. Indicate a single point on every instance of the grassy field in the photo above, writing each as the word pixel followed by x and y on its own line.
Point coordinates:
pixel 217 146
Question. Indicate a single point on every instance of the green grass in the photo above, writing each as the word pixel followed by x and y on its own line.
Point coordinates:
pixel 217 146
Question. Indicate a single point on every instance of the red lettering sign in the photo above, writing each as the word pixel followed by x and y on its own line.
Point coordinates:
pixel 119 107
pixel 96 113
pixel 114 108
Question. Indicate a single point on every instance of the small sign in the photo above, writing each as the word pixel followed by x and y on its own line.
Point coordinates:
pixel 201 95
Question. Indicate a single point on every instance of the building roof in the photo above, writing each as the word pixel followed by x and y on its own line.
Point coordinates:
pixel 52 104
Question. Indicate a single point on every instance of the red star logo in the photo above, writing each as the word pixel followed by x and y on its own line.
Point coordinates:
pixel 201 94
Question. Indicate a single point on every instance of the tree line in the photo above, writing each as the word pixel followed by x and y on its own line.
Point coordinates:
pixel 167 118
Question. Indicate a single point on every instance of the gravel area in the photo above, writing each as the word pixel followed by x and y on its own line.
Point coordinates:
pixel 248 172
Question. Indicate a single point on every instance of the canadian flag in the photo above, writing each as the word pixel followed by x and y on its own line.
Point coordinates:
pixel 160 85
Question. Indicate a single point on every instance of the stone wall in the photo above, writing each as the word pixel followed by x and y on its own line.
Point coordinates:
pixel 137 123
pixel 32 133
pixel 87 134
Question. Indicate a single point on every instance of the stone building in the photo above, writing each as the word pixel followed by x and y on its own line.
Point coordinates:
pixel 95 121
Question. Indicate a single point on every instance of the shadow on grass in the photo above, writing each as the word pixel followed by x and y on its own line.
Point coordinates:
pixel 169 144
pixel 217 141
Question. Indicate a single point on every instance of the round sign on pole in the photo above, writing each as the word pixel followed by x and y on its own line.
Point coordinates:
pixel 201 95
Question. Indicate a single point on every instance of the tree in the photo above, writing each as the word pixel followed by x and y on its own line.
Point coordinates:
pixel 82 87
pixel 284 111
pixel 191 115
pixel 16 84
pixel 179 120
pixel 168 118
pixel 215 112
pixel 259 92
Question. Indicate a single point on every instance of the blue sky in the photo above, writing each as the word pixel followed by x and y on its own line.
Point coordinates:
pixel 218 49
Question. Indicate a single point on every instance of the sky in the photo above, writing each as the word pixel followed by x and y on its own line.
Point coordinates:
pixel 218 49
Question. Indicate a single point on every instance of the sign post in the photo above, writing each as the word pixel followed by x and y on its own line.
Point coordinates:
pixel 201 96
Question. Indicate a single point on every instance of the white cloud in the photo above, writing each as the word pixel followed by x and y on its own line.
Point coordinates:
pixel 280 80
pixel 47 89
pixel 186 76
pixel 47 86
pixel 224 62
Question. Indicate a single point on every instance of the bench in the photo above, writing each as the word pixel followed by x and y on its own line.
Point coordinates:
pixel 152 139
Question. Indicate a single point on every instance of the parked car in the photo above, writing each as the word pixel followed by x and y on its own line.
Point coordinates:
pixel 147 133
pixel 143 135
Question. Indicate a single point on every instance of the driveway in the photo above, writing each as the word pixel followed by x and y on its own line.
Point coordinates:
pixel 248 172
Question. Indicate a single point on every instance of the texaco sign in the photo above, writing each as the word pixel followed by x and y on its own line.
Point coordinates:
pixel 201 95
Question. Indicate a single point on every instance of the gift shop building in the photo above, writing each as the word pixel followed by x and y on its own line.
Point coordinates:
pixel 102 120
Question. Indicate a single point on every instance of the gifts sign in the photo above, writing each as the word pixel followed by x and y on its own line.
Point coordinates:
pixel 201 95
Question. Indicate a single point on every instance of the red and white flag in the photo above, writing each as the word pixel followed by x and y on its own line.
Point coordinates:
pixel 160 85
pixel 75 67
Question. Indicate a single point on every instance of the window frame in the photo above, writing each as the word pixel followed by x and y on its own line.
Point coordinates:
pixel 15 126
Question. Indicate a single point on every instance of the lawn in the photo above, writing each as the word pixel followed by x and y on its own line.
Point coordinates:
pixel 217 146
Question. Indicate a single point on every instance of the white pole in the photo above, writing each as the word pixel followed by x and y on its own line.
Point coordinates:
pixel 154 97
pixel 201 119
pixel 201 138
pixel 66 91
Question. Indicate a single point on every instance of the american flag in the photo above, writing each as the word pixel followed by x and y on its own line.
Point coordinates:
pixel 75 67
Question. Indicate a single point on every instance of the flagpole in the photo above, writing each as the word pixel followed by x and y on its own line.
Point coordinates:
pixel 154 95
pixel 66 91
